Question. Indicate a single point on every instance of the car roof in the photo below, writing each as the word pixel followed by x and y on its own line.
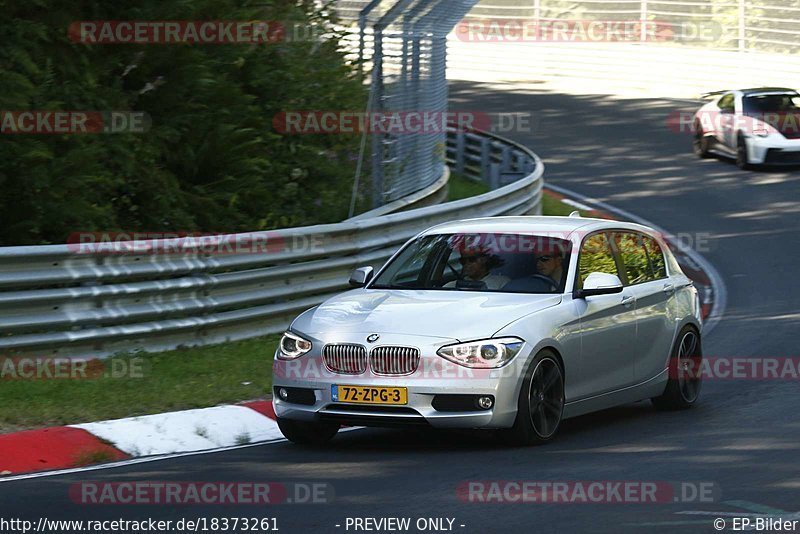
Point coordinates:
pixel 766 90
pixel 533 225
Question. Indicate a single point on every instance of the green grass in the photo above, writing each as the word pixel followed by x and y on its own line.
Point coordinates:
pixel 168 381
pixel 92 457
pixel 554 207
pixel 461 187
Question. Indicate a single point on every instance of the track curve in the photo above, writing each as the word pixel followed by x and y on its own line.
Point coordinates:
pixel 743 437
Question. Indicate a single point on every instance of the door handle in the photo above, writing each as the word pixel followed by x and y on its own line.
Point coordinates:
pixel 628 301
pixel 669 289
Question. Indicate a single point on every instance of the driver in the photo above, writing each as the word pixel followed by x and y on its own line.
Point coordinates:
pixel 549 272
pixel 550 264
pixel 476 266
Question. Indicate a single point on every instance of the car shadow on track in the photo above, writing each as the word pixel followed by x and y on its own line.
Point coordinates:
pixel 428 439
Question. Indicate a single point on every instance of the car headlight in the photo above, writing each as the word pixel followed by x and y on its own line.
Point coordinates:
pixel 293 346
pixel 484 354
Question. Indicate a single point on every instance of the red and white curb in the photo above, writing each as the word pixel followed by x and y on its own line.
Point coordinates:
pixel 151 435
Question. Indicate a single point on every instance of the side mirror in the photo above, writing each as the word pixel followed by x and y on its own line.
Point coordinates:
pixel 361 276
pixel 599 284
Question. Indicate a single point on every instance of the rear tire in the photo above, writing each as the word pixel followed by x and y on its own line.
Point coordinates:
pixel 685 374
pixel 700 144
pixel 310 434
pixel 541 403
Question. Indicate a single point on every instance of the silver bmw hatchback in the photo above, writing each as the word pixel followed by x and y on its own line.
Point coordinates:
pixel 506 323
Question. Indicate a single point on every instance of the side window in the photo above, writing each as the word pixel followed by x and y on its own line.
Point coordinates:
pixel 634 257
pixel 726 103
pixel 596 256
pixel 656 257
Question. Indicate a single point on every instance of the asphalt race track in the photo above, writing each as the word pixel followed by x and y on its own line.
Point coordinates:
pixel 743 437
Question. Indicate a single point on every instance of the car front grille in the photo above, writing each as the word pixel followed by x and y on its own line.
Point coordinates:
pixel 779 157
pixel 345 359
pixel 394 360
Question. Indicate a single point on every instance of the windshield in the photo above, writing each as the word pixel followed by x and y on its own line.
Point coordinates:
pixel 771 103
pixel 490 262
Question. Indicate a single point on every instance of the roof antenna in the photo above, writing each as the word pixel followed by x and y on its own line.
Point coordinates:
pixel 575 213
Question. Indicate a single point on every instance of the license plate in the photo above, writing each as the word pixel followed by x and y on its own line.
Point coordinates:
pixel 369 394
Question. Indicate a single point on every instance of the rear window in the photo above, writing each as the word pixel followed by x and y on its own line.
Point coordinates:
pixel 641 257
pixel 632 251
pixel 656 256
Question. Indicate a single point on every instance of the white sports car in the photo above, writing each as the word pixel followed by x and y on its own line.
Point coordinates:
pixel 755 126
pixel 509 323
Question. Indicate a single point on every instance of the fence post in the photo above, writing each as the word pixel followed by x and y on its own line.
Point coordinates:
pixel 742 14
pixel 643 21
pixel 362 30
pixel 377 144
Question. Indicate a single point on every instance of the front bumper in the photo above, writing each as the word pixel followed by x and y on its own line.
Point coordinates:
pixel 773 150
pixel 435 376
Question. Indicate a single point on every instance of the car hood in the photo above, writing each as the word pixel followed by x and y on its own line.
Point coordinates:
pixel 458 315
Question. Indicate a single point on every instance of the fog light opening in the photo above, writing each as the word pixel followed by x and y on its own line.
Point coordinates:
pixel 283 393
pixel 485 403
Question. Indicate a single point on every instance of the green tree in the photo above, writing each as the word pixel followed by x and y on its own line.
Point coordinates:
pixel 210 160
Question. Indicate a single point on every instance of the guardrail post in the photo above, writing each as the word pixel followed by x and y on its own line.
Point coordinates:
pixel 520 162
pixel 485 156
pixel 461 143
pixel 494 176
pixel 505 159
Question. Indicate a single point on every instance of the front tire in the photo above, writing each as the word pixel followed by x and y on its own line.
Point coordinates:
pixel 685 374
pixel 310 434
pixel 741 154
pixel 541 403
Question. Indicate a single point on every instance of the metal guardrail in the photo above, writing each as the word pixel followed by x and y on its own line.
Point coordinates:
pixel 99 300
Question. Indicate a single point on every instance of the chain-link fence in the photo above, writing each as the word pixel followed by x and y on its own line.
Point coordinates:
pixel 402 46
pixel 752 25
pixel 669 48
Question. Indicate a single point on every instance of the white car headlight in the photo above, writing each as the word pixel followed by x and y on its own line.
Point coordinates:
pixel 293 346
pixel 484 354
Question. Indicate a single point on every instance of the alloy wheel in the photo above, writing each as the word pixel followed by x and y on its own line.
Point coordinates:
pixel 546 399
